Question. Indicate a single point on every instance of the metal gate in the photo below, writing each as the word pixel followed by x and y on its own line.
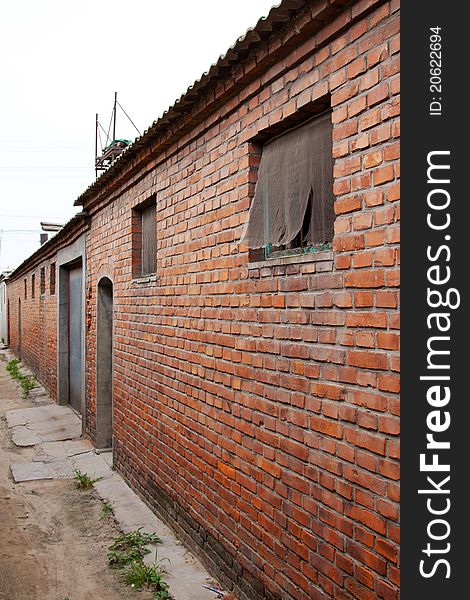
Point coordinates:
pixel 75 338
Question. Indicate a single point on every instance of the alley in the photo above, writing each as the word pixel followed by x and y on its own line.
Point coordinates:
pixel 221 321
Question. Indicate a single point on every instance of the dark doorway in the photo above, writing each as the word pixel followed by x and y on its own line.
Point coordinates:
pixel 8 324
pixel 19 328
pixel 75 353
pixel 104 365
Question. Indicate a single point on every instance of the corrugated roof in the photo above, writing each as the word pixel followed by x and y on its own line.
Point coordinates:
pixel 277 18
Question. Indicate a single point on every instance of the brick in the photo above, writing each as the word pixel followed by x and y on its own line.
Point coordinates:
pixel 377 95
pixel 393 192
pixel 374 198
pixel 370 119
pixel 387 341
pixel 372 159
pixel 365 339
pixel 366 319
pixel 389 469
pixel 357 106
pixel 346 243
pixel 380 134
pixel 384 174
pixel 361 142
pixel 368 360
pixel 365 279
pixel 389 383
pixel 377 55
pixel 386 591
pixel 370 79
pixel 389 425
pixel 356 67
pixel 385 257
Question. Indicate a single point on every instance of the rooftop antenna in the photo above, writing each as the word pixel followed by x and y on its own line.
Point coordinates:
pixel 112 147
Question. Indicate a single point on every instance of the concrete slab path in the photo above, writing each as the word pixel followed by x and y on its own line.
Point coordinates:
pixel 54 434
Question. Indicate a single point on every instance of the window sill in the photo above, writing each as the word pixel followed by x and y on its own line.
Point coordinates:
pixel 293 259
pixel 145 279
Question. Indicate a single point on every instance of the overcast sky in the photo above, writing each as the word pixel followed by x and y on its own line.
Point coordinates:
pixel 62 63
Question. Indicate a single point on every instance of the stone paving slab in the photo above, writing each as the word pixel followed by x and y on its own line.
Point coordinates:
pixel 51 451
pixel 29 471
pixel 61 468
pixel 21 436
pixel 92 464
pixel 42 424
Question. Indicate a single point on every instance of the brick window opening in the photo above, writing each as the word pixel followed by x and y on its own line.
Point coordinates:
pixel 292 210
pixel 42 285
pixel 33 285
pixel 144 239
pixel 25 288
pixel 52 279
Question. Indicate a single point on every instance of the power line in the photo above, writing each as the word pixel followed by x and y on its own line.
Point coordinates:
pixel 25 231
pixel 34 217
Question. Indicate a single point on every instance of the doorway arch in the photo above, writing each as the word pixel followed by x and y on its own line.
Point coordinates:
pixel 104 364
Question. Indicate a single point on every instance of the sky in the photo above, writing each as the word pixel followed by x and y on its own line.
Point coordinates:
pixel 62 62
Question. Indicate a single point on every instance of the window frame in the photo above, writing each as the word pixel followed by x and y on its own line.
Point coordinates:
pixel 310 112
pixel 144 244
pixel 52 279
pixel 42 282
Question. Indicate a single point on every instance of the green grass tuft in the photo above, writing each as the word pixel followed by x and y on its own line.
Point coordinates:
pixel 27 383
pixel 107 508
pixel 130 547
pixel 148 575
pixel 83 481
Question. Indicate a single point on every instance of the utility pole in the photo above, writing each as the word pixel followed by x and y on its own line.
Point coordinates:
pixel 114 122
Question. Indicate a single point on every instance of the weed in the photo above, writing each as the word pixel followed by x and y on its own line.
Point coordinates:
pixel 12 368
pixel 149 575
pixel 107 508
pixel 130 547
pixel 27 383
pixel 83 481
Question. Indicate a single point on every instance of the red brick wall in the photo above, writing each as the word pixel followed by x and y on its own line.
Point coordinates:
pixel 38 348
pixel 257 407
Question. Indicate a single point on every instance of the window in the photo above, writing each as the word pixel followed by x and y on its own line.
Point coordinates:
pixel 33 285
pixel 42 284
pixel 144 234
pixel 25 288
pixel 292 209
pixel 52 279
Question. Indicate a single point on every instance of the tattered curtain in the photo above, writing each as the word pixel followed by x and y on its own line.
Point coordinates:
pixel 295 168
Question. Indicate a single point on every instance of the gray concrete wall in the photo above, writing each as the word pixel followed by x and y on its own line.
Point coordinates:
pixel 67 257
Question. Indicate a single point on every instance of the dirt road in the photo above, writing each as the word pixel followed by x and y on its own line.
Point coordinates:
pixel 53 539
